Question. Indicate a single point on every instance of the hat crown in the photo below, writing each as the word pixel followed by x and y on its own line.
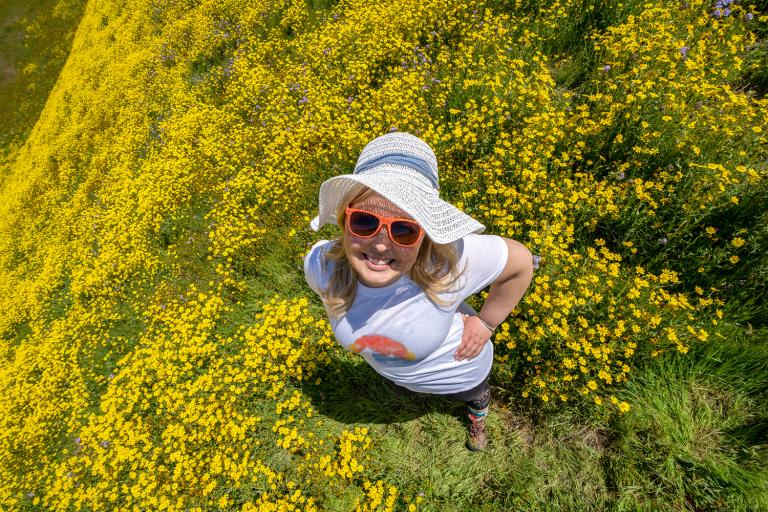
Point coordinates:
pixel 399 148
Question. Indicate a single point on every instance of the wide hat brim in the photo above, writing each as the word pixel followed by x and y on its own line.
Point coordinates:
pixel 442 222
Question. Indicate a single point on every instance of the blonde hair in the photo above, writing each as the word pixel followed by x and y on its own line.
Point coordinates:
pixel 435 270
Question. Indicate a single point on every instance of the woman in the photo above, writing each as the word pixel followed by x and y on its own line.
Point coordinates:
pixel 394 284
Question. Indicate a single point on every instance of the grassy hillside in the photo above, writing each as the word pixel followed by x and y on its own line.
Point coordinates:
pixel 160 349
pixel 36 38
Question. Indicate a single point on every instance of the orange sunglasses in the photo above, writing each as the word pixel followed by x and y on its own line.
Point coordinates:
pixel 365 224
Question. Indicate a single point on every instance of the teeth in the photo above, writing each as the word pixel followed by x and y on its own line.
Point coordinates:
pixel 377 262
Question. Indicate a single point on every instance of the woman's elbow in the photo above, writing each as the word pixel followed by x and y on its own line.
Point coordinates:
pixel 519 261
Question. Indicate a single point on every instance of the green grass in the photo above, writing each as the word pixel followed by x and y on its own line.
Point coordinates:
pixel 700 423
pixel 36 39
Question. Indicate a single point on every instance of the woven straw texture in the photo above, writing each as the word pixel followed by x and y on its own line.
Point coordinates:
pixel 407 186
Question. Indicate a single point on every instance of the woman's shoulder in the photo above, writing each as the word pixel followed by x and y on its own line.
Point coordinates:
pixel 476 244
pixel 482 258
pixel 317 267
pixel 319 247
pixel 317 253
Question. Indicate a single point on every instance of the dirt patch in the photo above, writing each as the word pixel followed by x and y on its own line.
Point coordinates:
pixel 521 426
pixel 594 438
pixel 597 439
pixel 8 72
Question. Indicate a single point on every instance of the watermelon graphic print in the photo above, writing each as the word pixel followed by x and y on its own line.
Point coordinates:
pixel 383 349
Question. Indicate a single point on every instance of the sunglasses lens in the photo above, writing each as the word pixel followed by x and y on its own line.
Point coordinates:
pixel 405 233
pixel 363 224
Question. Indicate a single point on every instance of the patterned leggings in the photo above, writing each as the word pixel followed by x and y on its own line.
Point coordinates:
pixel 479 397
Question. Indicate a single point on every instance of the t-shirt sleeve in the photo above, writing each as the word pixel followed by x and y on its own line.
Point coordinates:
pixel 315 273
pixel 484 257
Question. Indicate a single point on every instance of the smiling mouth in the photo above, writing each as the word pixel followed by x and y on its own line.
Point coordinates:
pixel 376 261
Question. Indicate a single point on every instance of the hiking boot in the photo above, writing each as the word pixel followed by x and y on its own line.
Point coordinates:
pixel 478 439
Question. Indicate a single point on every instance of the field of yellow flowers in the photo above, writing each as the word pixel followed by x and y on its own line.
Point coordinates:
pixel 160 163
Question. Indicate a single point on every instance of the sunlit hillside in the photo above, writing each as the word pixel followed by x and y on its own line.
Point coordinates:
pixel 159 347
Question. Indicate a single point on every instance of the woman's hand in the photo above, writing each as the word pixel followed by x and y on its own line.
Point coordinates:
pixel 474 338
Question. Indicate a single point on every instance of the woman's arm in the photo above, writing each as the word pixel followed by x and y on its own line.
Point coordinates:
pixel 510 286
pixel 506 292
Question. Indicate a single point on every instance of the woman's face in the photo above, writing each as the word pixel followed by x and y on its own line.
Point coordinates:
pixel 380 247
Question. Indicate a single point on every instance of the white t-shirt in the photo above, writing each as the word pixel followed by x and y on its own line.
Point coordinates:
pixel 406 337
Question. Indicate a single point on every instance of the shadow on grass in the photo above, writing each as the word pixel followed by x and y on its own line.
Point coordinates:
pixel 352 392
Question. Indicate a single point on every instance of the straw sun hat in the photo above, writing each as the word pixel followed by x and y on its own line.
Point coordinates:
pixel 402 168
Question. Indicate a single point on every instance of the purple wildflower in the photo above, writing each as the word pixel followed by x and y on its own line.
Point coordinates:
pixel 684 50
pixel 607 68
pixel 749 16
pixel 303 100
pixel 228 67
